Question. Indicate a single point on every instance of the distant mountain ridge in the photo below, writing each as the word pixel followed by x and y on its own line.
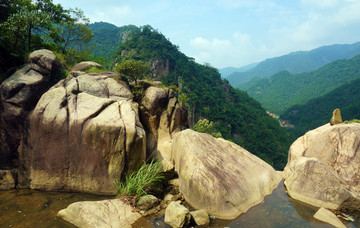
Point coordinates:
pixel 283 90
pixel 296 62
pixel 225 72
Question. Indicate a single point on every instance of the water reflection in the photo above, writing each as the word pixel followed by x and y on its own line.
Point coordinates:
pixel 29 208
pixel 276 211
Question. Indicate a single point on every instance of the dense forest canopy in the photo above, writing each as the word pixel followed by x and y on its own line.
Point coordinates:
pixel 283 90
pixel 235 115
pixel 318 111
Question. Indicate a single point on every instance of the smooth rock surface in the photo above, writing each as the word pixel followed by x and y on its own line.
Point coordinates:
pixel 106 213
pixel 335 170
pixel 176 215
pixel 82 135
pixel 311 181
pixel 328 217
pixel 220 176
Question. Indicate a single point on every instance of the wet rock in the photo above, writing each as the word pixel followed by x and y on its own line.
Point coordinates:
pixel 147 202
pixel 328 217
pixel 176 215
pixel 7 179
pixel 201 217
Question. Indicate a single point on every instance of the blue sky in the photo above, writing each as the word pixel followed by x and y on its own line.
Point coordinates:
pixel 235 32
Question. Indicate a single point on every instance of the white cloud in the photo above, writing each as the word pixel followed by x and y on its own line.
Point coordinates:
pixel 113 14
pixel 322 4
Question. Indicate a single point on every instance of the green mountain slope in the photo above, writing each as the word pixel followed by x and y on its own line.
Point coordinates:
pixel 283 90
pixel 318 111
pixel 106 39
pixel 297 62
pixel 236 115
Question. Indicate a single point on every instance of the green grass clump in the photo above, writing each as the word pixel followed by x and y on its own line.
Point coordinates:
pixel 352 121
pixel 143 181
pixel 95 70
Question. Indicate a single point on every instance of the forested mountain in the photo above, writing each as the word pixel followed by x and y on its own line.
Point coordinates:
pixel 107 38
pixel 283 90
pixel 236 115
pixel 318 111
pixel 297 62
pixel 225 72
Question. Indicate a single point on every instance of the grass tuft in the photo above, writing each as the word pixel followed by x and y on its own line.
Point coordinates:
pixel 148 178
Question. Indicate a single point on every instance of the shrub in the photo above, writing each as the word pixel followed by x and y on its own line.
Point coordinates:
pixel 206 126
pixel 352 121
pixel 147 179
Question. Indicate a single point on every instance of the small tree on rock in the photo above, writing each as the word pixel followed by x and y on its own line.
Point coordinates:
pixel 132 69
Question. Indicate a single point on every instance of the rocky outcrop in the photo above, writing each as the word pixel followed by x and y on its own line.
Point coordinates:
pixel 328 217
pixel 162 116
pixel 220 176
pixel 85 65
pixel 106 213
pixel 323 167
pixel 336 118
pixel 82 135
pixel 18 96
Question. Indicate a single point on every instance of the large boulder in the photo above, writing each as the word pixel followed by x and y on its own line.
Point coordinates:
pixel 106 213
pixel 163 116
pixel 323 167
pixel 83 134
pixel 220 176
pixel 18 96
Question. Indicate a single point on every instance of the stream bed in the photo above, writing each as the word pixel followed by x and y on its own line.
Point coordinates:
pixel 30 208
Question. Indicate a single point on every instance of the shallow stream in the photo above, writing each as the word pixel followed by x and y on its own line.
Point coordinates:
pixel 29 208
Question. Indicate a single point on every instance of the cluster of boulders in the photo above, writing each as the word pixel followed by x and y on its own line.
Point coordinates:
pixel 86 131
pixel 323 166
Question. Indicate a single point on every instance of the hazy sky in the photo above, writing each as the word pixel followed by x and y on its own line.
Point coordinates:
pixel 235 32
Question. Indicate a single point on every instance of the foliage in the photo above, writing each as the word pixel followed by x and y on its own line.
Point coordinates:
pixel 143 181
pixel 206 126
pixel 283 90
pixel 138 91
pixel 95 70
pixel 352 121
pixel 30 25
pixel 132 69
pixel 318 111
pixel 106 39
pixel 233 113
